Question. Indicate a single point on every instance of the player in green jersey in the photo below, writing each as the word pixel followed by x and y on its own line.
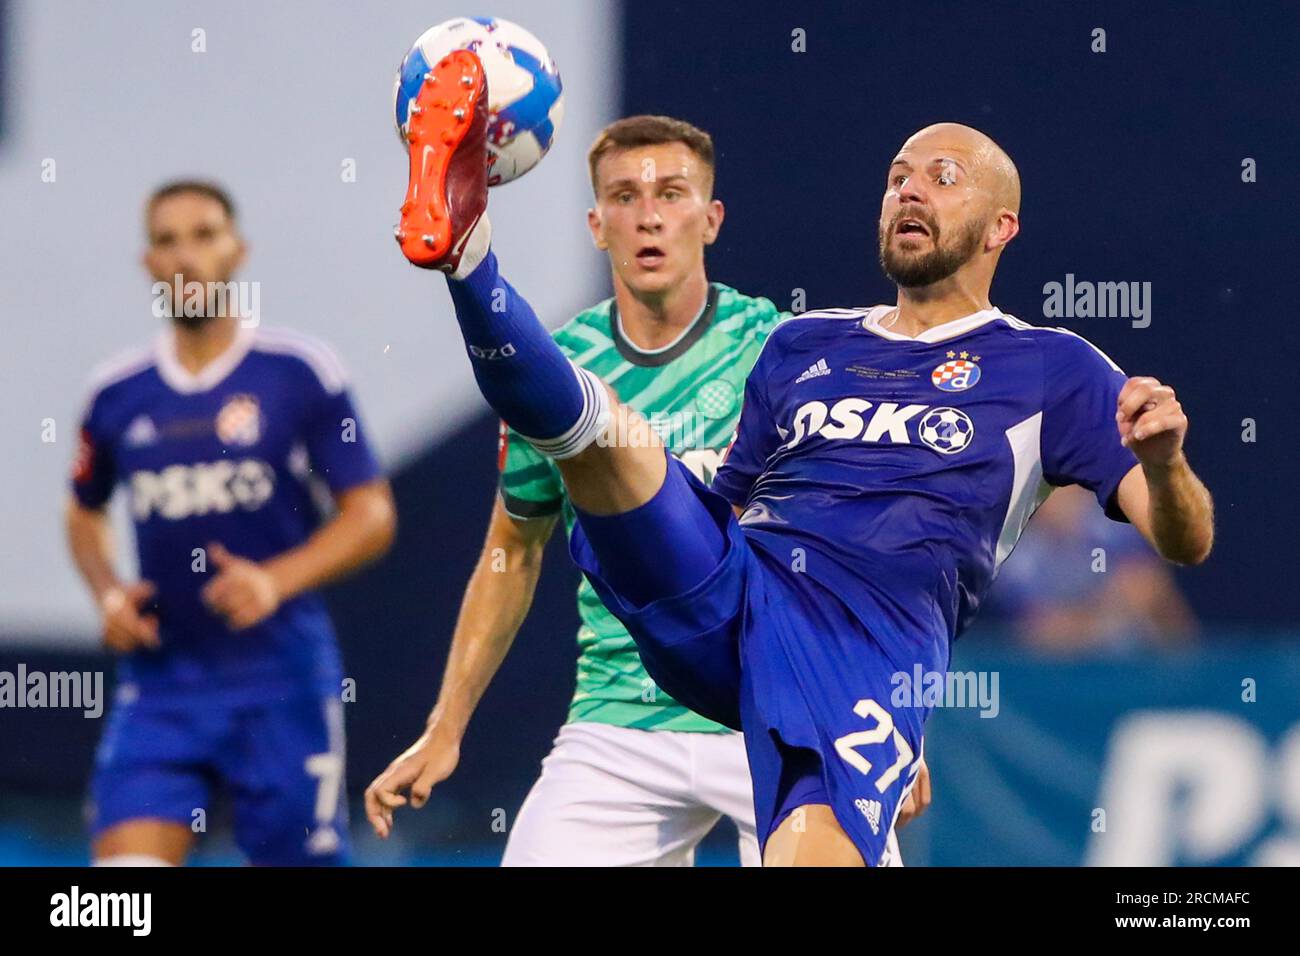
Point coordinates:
pixel 634 777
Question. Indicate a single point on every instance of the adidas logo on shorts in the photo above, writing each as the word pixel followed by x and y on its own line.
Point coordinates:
pixel 814 371
pixel 871 810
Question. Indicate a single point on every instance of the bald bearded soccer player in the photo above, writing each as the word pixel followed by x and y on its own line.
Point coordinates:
pixel 886 461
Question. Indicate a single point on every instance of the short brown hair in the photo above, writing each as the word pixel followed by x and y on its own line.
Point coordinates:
pixel 200 187
pixel 634 131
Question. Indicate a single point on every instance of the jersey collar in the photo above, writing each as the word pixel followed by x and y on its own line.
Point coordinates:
pixel 214 373
pixel 936 333
pixel 655 358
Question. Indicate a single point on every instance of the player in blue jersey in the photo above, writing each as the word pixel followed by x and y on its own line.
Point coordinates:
pixel 232 443
pixel 885 463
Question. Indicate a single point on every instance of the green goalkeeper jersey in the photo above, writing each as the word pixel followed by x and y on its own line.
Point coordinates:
pixel 690 391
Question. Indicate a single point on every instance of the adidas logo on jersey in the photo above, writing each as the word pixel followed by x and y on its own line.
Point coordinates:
pixel 818 369
pixel 946 430
pixel 218 487
pixel 871 810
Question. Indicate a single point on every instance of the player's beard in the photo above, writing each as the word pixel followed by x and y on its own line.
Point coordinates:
pixel 181 306
pixel 192 323
pixel 911 271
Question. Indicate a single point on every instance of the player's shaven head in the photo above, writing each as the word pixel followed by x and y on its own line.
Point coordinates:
pixel 635 131
pixel 990 182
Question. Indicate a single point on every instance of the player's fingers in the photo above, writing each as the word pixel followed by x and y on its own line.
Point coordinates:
pixel 248 617
pixel 1138 381
pixel 387 797
pixel 1146 421
pixel 217 591
pixel 144 629
pixel 1156 396
pixel 243 613
pixel 140 592
pixel 1134 384
pixel 1134 393
pixel 1149 427
pixel 381 821
pixel 219 555
pixel 1147 393
pixel 116 639
pixel 424 785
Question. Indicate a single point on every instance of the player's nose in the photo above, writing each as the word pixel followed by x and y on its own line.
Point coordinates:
pixel 913 190
pixel 648 217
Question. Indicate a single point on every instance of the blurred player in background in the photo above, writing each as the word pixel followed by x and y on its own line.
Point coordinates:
pixel 230 442
pixel 1078 583
pixel 886 461
pixel 634 777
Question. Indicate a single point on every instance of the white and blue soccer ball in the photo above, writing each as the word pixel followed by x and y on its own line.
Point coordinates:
pixel 946 430
pixel 525 97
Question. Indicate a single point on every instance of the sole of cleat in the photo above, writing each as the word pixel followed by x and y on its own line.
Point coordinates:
pixel 438 123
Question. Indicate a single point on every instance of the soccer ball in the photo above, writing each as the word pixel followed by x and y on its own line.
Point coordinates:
pixel 525 100
pixel 946 430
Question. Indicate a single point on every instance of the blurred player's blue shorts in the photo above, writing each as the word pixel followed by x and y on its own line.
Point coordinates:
pixel 763 648
pixel 281 761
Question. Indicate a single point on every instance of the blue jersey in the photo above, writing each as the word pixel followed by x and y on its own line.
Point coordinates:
pixel 245 454
pixel 899 472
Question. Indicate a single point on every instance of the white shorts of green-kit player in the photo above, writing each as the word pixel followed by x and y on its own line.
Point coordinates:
pixel 618 796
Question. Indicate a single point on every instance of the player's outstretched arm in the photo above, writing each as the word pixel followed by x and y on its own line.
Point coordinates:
pixel 496 601
pixel 248 592
pixel 1162 495
pixel 125 627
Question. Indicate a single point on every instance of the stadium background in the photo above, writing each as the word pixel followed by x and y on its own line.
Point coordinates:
pixel 1132 167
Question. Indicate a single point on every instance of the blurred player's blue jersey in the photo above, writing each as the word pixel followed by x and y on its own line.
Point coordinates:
pixel 245 454
pixel 899 472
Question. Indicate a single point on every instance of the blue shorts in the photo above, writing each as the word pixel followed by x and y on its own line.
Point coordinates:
pixel 163 756
pixel 765 649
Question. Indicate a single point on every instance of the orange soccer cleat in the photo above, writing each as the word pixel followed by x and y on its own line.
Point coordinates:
pixel 447 138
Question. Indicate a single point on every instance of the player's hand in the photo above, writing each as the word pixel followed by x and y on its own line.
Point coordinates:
pixel 918 799
pixel 427 762
pixel 125 627
pixel 243 592
pixel 1151 421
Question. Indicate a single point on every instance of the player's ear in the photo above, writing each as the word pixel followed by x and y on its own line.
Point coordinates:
pixel 1005 228
pixel 597 229
pixel 713 221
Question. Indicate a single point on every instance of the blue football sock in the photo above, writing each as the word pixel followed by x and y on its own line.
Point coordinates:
pixel 520 370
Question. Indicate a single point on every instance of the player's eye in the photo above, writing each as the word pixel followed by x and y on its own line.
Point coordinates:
pixel 623 197
pixel 672 195
pixel 205 234
pixel 897 180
